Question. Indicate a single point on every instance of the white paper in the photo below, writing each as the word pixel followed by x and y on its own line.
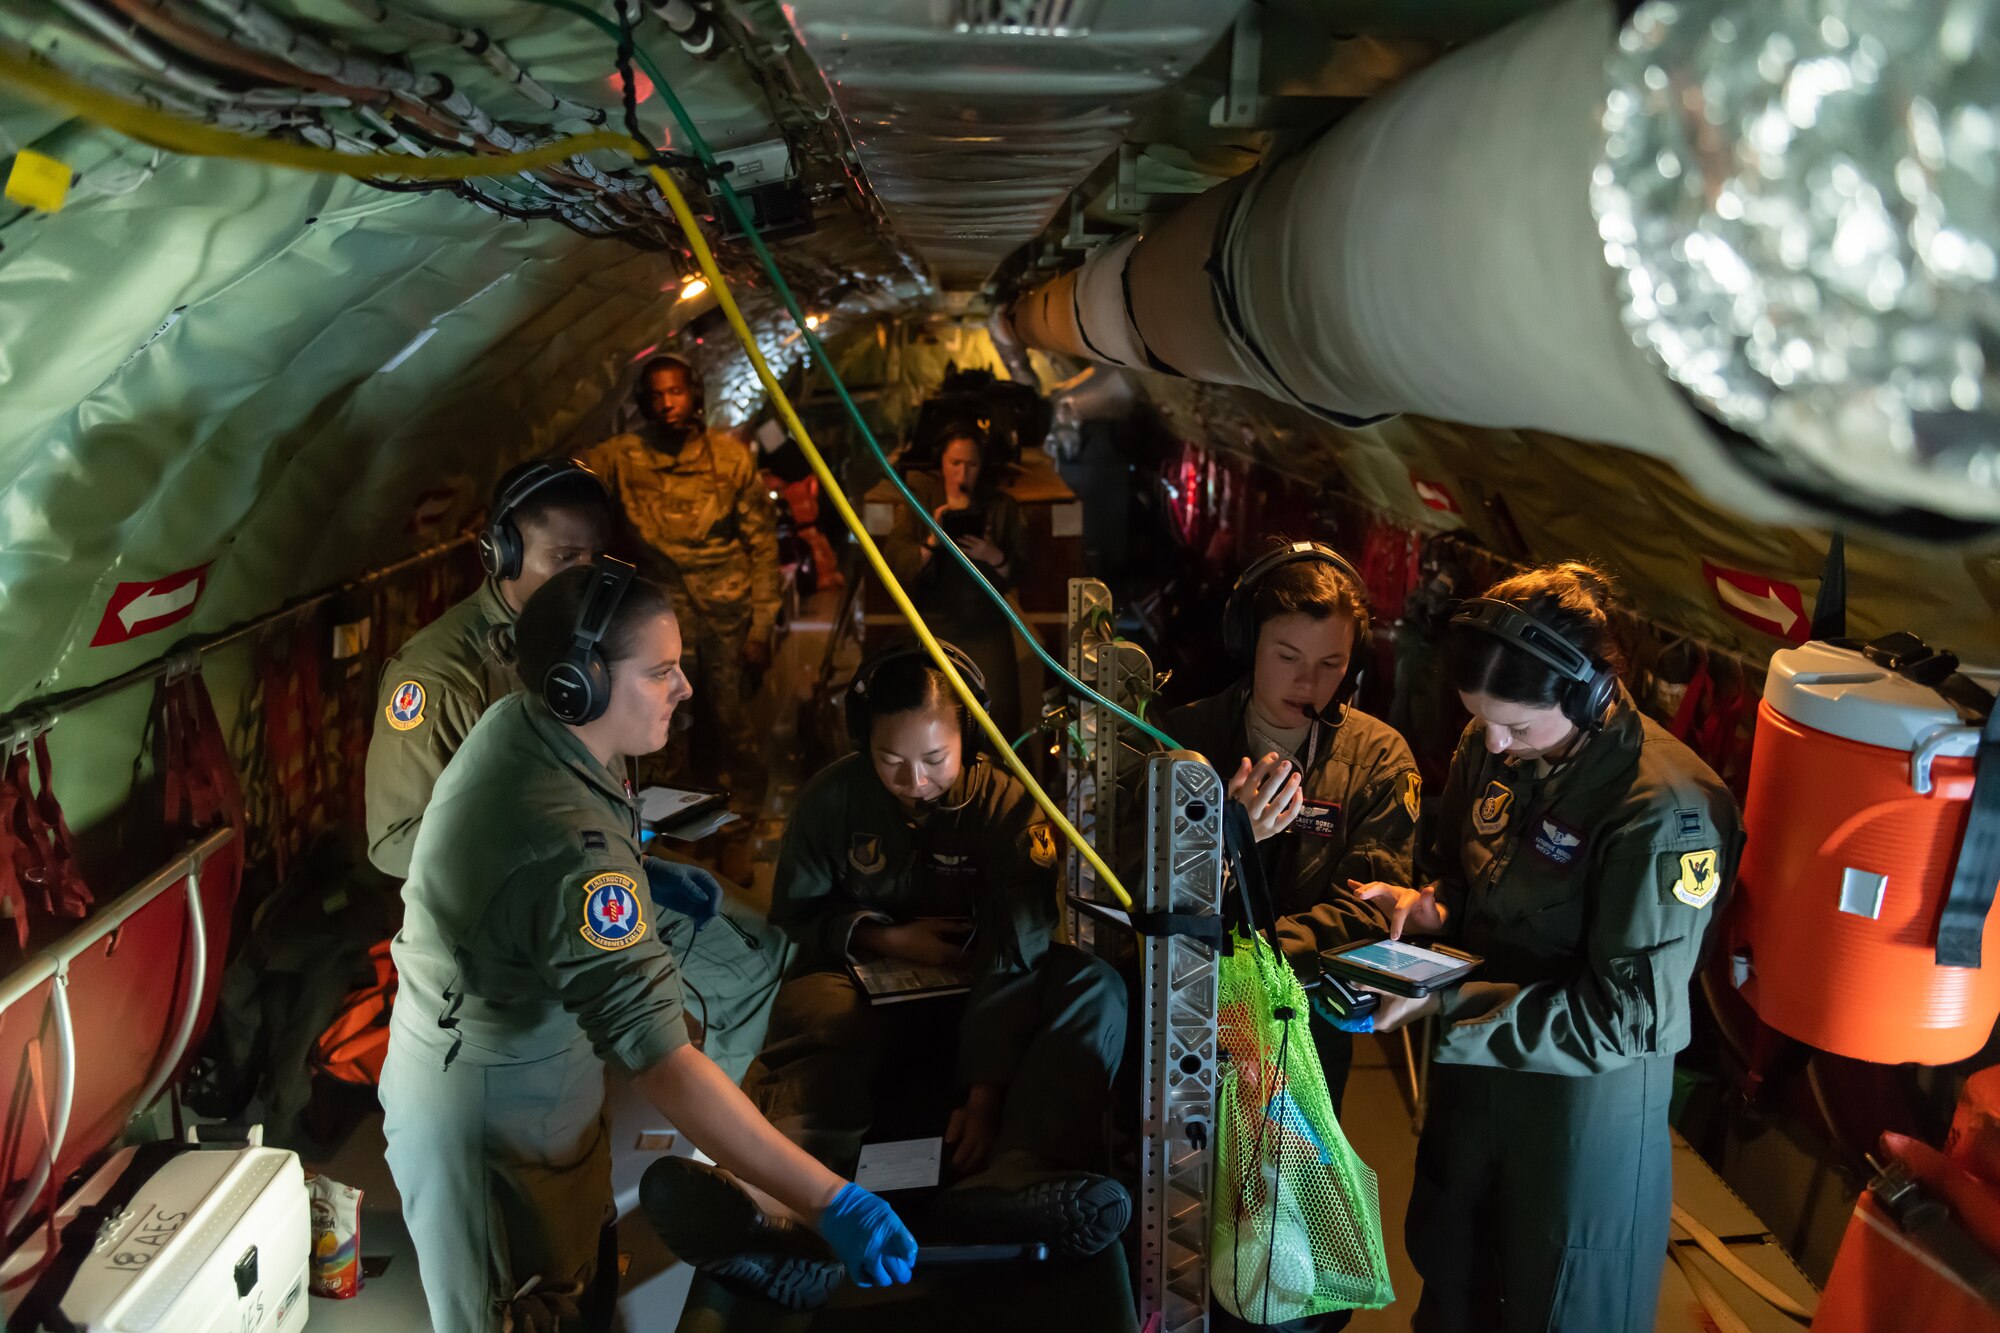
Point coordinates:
pixel 657 804
pixel 911 1164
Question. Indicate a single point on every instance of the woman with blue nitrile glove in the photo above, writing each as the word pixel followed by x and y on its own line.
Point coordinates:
pixel 531 956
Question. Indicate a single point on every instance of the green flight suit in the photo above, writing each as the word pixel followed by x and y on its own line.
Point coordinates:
pixel 1043 1019
pixel 1359 821
pixel 432 691
pixel 956 609
pixel 1543 1176
pixel 455 670
pixel 703 524
pixel 530 957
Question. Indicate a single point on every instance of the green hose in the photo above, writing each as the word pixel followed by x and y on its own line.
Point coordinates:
pixel 707 158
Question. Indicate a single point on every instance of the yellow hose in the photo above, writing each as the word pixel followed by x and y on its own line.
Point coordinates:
pixel 50 85
pixel 727 299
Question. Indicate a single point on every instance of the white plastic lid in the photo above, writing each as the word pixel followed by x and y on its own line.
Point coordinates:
pixel 1838 691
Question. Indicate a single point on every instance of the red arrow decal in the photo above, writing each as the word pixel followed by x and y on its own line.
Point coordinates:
pixel 1759 601
pixel 1434 496
pixel 146 608
pixel 430 509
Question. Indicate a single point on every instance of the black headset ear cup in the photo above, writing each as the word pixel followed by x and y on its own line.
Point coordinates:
pixel 1593 698
pixel 500 550
pixel 577 688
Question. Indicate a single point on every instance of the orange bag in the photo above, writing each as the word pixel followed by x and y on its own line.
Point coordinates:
pixel 357 1040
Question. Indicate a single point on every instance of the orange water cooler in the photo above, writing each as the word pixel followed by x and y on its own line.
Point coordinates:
pixel 1860 787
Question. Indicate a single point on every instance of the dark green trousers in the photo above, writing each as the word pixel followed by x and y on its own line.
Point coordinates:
pixel 818 1076
pixel 1541 1201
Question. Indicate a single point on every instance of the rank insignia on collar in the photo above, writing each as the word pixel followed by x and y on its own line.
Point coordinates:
pixel 864 853
pixel 1700 878
pixel 1489 815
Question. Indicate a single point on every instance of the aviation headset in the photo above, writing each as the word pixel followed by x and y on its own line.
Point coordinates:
pixel 577 685
pixel 1239 613
pixel 1588 685
pixel 500 547
pixel 860 715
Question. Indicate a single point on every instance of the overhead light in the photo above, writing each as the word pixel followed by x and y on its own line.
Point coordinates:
pixel 693 287
pixel 814 321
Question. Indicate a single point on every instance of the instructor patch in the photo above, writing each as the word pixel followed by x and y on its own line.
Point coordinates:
pixel 406 706
pixel 611 916
pixel 1490 815
pixel 1699 879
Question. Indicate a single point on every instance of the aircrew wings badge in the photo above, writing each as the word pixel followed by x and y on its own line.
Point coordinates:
pixel 406 706
pixel 1490 814
pixel 1699 880
pixel 1042 845
pixel 611 916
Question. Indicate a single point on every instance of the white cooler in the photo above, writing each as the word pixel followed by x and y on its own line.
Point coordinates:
pixel 216 1241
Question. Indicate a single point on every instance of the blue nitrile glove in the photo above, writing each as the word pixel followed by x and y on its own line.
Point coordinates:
pixel 689 890
pixel 870 1239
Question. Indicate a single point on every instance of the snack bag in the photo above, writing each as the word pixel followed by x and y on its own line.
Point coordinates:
pixel 336 1225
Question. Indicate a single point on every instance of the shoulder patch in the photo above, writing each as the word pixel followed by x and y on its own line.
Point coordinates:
pixel 612 918
pixel 865 854
pixel 1489 815
pixel 1700 878
pixel 406 706
pixel 1413 794
pixel 1042 845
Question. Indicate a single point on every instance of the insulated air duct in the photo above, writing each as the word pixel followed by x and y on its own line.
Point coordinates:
pixel 1748 239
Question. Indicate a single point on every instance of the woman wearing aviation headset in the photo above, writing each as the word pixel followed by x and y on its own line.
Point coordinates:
pixel 1579 850
pixel 529 958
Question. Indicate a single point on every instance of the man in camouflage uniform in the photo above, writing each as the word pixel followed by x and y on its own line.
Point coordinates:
pixel 699 520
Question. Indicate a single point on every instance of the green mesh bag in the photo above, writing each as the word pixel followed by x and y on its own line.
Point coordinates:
pixel 1295 1223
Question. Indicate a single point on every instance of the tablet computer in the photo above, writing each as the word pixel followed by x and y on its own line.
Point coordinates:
pixel 1398 966
pixel 959 523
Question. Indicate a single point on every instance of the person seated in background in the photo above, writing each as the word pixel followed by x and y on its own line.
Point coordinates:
pixel 963 495
pixel 918 850
pixel 548 516
pixel 1333 794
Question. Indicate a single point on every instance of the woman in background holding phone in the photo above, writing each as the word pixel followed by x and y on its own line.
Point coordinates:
pixel 1579 849
pixel 986 523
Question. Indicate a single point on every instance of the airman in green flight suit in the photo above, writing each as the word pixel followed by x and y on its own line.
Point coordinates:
pixel 916 853
pixel 530 958
pixel 1583 853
